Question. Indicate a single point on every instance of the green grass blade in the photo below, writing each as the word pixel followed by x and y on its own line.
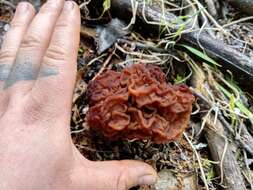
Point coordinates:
pixel 238 104
pixel 200 54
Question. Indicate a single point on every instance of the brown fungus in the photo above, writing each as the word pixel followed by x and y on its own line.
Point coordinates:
pixel 137 103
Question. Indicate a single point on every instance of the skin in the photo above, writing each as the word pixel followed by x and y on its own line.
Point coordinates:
pixel 37 78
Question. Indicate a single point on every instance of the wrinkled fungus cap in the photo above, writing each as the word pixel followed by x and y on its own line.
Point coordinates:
pixel 137 103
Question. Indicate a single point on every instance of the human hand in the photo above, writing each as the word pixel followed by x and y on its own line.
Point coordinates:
pixel 37 77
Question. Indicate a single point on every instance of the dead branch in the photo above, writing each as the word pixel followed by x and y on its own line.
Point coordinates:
pixel 230 59
pixel 216 131
pixel 211 7
pixel 246 139
pixel 221 151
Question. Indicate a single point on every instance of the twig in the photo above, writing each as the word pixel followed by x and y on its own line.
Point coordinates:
pixel 248 177
pixel 230 59
pixel 238 21
pixel 85 3
pixel 105 64
pixel 96 59
pixel 245 141
pixel 199 161
pixel 210 17
pixel 211 7
pixel 229 168
pixel 134 10
pixel 143 46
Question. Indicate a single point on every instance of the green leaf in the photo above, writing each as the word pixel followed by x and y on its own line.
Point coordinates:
pixel 210 173
pixel 238 104
pixel 182 78
pixel 179 79
pixel 106 5
pixel 232 108
pixel 201 55
pixel 179 32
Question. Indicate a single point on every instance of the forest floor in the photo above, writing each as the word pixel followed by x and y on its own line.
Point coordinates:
pixel 216 151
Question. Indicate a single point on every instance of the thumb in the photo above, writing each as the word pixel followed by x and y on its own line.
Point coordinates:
pixel 115 175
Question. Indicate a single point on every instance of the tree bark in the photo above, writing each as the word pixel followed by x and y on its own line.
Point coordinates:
pixel 215 135
pixel 246 139
pixel 220 147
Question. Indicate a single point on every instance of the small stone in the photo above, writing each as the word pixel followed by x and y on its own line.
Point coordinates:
pixel 190 183
pixel 168 181
pixel 6 27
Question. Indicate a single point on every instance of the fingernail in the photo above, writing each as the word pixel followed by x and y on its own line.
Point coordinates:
pixel 22 7
pixel 55 3
pixel 69 5
pixel 147 180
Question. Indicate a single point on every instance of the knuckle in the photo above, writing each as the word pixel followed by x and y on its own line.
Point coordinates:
pixel 17 24
pixel 32 110
pixel 31 41
pixel 62 24
pixel 37 109
pixel 121 182
pixel 56 53
pixel 7 56
pixel 54 91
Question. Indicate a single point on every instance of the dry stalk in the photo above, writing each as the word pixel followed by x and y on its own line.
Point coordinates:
pixel 199 161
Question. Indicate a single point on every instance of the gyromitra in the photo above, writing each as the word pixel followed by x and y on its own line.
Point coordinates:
pixel 137 103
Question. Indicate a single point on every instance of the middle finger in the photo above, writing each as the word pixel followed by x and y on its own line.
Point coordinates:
pixel 26 66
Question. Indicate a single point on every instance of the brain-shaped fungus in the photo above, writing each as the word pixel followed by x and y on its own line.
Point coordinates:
pixel 137 103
